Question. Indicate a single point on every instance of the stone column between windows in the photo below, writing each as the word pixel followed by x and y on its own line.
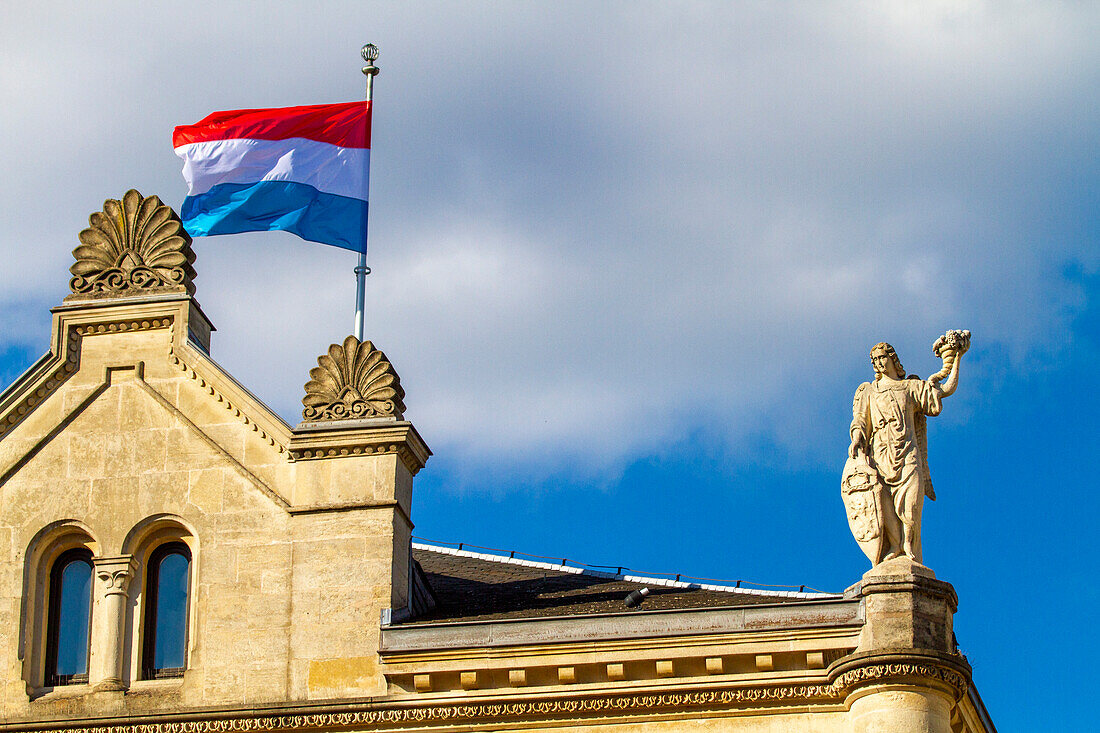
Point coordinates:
pixel 114 575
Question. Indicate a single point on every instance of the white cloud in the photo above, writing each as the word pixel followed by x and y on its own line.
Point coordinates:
pixel 596 229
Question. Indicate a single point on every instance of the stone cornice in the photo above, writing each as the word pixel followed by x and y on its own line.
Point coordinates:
pixel 133 310
pixel 121 326
pixel 123 301
pixel 336 440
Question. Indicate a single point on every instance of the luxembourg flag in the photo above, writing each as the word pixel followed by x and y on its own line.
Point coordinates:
pixel 303 170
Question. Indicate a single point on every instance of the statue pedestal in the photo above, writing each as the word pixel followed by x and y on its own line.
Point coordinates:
pixel 905 674
pixel 906 608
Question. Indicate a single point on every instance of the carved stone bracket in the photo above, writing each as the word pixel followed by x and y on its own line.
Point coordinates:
pixel 353 381
pixel 133 247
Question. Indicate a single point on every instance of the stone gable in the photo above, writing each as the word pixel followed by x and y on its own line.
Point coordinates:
pixel 127 435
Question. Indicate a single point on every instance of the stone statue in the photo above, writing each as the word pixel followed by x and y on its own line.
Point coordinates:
pixel 886 476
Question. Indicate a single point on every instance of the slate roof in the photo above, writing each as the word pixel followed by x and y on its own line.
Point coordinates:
pixel 470 586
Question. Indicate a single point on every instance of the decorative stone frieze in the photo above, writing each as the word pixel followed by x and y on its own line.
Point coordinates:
pixel 148 324
pixel 904 690
pixel 573 707
pixel 133 247
pixel 353 381
pixel 949 671
pixel 307 454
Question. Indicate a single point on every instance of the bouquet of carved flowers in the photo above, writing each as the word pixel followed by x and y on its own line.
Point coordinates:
pixel 949 348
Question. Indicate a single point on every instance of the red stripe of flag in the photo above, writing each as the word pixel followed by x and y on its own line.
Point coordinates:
pixel 346 125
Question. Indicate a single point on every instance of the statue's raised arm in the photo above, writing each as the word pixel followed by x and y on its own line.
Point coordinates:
pixel 886 476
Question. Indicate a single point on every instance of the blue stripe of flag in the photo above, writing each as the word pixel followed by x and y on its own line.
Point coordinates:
pixel 231 208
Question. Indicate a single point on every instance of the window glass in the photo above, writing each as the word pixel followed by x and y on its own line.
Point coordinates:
pixel 69 618
pixel 166 613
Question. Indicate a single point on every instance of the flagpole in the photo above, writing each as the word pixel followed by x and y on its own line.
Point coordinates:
pixel 370 54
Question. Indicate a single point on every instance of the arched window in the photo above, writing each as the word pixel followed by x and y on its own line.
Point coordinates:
pixel 69 619
pixel 164 648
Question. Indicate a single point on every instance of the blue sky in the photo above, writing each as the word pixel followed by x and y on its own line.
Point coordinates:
pixel 629 260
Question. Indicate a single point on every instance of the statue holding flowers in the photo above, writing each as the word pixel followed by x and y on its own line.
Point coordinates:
pixel 886 475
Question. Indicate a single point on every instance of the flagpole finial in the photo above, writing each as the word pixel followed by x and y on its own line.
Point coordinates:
pixel 370 55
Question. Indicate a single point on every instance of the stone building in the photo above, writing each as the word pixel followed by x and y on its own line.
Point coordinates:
pixel 178 559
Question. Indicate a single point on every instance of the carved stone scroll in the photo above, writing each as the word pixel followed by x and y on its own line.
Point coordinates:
pixel 353 381
pixel 134 246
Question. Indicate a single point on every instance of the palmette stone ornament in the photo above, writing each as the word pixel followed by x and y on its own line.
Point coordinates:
pixel 134 246
pixel 353 381
pixel 886 476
